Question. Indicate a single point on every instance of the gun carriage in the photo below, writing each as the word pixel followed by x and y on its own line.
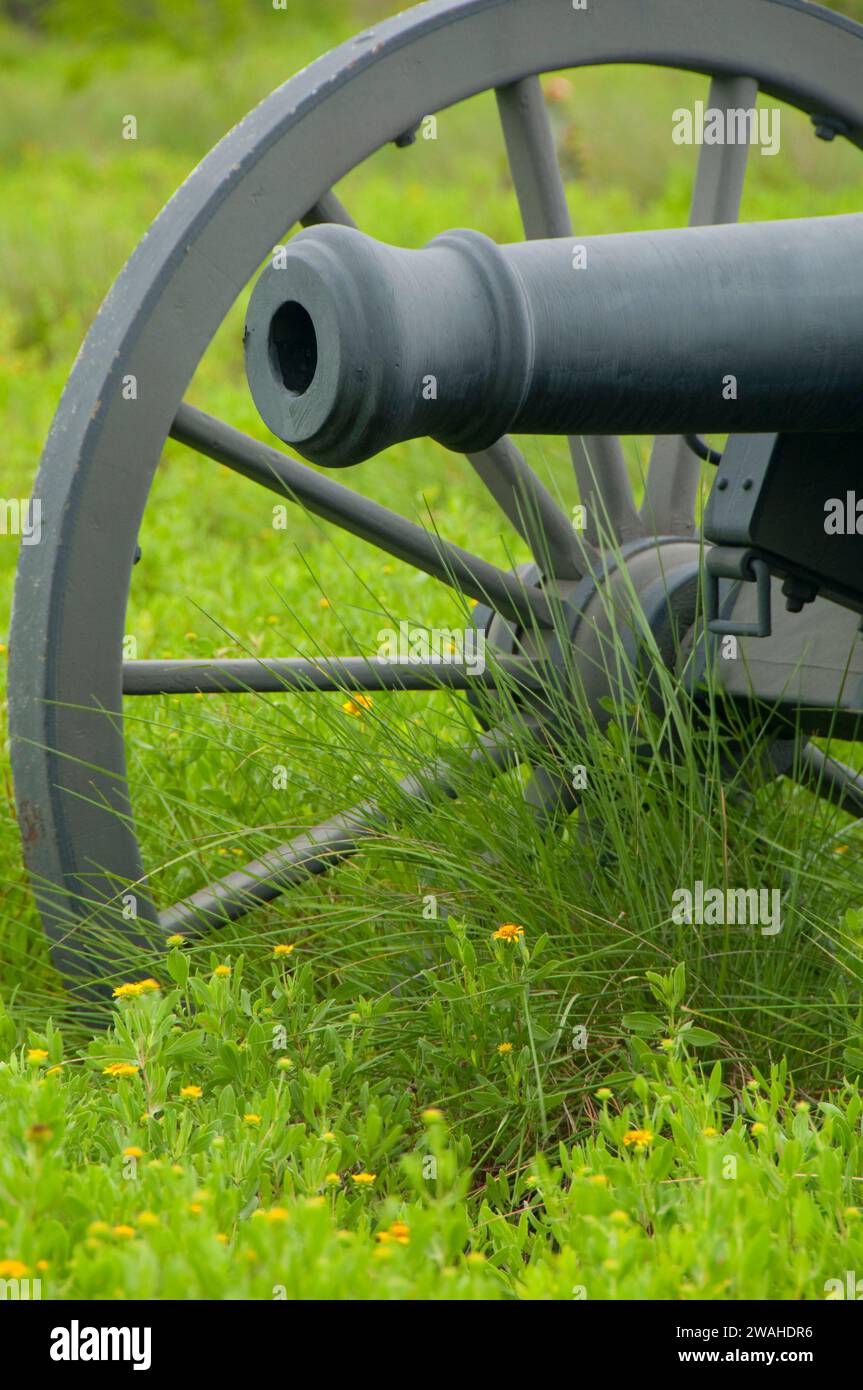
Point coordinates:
pixel 351 345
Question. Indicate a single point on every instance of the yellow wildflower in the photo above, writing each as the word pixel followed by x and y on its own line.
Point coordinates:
pixel 509 933
pixel 136 988
pixel 133 1152
pixel 191 1092
pixel 283 950
pixel 124 1232
pixel 504 1047
pixel 357 704
pixel 222 971
pixel 251 1119
pixel 363 1179
pixel 13 1269
pixel 640 1138
pixel 121 1069
pixel 36 1054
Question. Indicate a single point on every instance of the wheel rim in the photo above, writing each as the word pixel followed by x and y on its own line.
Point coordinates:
pixel 71 593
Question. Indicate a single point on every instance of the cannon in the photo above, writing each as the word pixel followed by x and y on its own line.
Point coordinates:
pixel 351 345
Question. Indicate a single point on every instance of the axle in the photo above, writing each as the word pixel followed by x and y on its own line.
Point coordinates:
pixel 353 345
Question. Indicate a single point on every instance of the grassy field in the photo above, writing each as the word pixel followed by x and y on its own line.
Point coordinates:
pixel 361 1091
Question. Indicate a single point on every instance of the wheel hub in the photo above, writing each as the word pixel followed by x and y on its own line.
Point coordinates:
pixel 642 596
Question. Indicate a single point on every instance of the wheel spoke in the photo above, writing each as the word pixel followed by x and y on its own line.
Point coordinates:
pixel 315 851
pixel 343 673
pixel 605 489
pixel 295 482
pixel 674 472
pixel 600 468
pixel 533 160
pixel 530 507
pixel 328 208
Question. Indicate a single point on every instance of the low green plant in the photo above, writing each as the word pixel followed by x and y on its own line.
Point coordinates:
pixel 214 1143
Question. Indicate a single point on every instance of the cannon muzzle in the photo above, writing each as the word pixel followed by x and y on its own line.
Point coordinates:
pixel 353 345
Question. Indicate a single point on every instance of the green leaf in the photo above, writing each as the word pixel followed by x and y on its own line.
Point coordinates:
pixel 678 984
pixel 701 1037
pixel 177 966
pixel 645 1024
pixel 853 1059
pixel 227 1101
pixel 661 1161
pixel 714 1085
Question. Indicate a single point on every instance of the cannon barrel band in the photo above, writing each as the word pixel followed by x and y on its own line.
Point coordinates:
pixel 353 345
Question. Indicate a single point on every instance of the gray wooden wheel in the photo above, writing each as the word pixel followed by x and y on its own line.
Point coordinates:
pixel 275 169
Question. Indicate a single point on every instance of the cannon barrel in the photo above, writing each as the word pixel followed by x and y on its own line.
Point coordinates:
pixel 353 345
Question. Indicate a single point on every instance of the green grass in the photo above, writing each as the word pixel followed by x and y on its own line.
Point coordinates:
pixel 247 1149
pixel 396 998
